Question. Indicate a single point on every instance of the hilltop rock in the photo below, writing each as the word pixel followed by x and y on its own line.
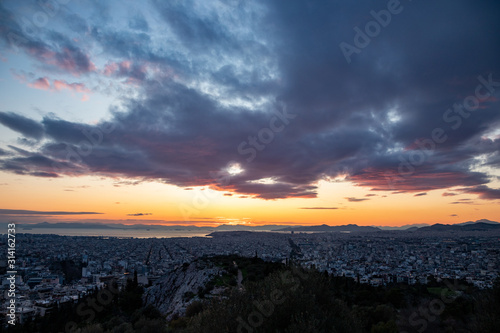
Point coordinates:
pixel 172 293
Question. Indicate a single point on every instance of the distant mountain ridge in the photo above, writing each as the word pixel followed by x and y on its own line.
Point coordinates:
pixel 336 228
pixel 482 224
pixel 120 226
pixel 474 226
pixel 404 227
pixel 478 221
pixel 72 225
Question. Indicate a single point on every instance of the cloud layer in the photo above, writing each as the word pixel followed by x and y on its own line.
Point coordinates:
pixel 38 212
pixel 265 86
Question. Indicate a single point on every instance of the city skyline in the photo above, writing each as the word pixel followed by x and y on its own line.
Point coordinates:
pixel 226 112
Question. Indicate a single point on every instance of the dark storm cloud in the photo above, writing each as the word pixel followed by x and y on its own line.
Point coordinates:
pixel 420 194
pixel 389 72
pixel 32 163
pixel 439 170
pixel 65 58
pixel 9 28
pixel 484 192
pixel 193 31
pixel 53 50
pixel 226 79
pixel 21 124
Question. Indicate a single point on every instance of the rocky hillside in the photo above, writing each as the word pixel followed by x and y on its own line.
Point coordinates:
pixel 172 293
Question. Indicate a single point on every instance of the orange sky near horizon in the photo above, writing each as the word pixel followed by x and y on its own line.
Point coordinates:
pixel 158 203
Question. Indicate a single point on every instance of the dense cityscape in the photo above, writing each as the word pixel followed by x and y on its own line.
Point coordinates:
pixel 54 269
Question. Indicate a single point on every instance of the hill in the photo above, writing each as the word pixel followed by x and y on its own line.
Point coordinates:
pixel 476 226
pixel 328 228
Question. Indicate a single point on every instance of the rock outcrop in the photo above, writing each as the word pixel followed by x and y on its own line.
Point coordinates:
pixel 172 293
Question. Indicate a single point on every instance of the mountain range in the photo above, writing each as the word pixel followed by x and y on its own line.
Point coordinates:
pixel 349 228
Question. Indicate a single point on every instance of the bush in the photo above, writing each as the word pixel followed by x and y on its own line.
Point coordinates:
pixel 194 308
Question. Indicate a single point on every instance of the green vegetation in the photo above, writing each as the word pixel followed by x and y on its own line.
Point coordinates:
pixel 253 269
pixel 279 298
pixel 442 291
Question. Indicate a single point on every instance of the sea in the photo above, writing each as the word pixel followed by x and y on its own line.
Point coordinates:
pixel 121 233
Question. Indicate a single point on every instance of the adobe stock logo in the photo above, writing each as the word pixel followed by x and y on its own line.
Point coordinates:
pixel 372 29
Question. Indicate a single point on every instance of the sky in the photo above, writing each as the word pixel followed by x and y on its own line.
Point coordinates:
pixel 249 112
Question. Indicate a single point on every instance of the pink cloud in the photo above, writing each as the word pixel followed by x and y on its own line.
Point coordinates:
pixel 77 87
pixel 44 83
pixel 68 59
pixel 110 69
pixel 120 68
pixel 126 64
pixel 40 83
pixel 133 72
